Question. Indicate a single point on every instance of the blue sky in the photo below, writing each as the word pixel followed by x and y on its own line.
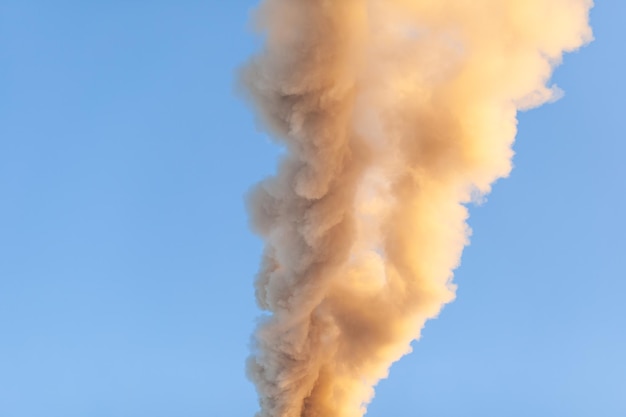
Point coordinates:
pixel 126 264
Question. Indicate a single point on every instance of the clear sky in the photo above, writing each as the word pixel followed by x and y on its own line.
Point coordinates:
pixel 126 264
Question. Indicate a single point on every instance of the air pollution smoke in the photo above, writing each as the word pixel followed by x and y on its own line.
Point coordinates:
pixel 395 114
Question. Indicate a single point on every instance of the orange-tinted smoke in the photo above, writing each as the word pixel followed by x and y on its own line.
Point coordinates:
pixel 394 114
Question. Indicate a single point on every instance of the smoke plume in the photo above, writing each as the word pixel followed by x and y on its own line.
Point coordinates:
pixel 394 114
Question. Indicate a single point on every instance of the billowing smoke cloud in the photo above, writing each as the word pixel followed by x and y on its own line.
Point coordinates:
pixel 394 114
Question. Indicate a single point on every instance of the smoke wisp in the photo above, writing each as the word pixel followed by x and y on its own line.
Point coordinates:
pixel 395 114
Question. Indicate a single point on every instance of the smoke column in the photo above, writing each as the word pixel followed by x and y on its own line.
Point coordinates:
pixel 394 114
